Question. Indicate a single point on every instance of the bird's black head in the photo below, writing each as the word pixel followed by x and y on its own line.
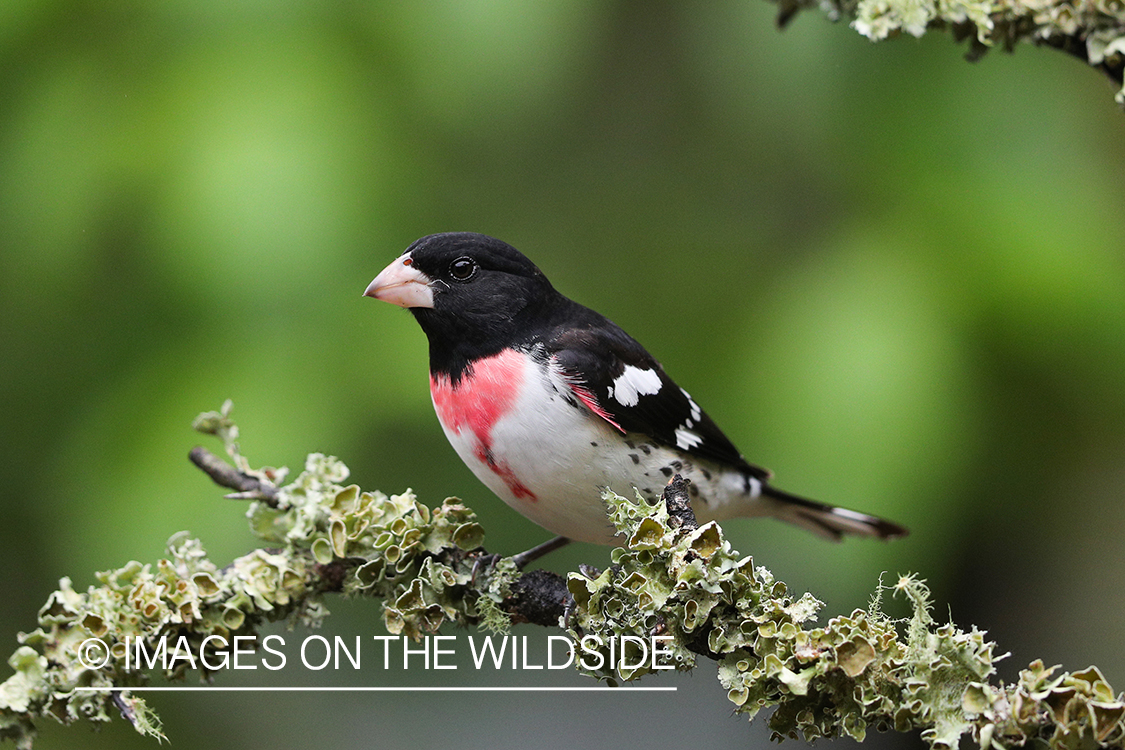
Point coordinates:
pixel 473 295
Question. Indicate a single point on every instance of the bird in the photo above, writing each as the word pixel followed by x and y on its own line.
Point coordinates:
pixel 549 403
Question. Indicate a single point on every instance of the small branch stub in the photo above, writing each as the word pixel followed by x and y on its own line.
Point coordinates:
pixel 678 502
pixel 225 475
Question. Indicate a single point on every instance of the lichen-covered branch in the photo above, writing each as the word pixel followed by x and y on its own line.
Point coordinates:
pixel 672 579
pixel 1092 30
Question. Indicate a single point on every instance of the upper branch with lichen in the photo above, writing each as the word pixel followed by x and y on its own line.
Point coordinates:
pixel 671 578
pixel 1092 30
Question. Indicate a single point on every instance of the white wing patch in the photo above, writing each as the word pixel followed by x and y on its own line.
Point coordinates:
pixel 633 383
pixel 696 412
pixel 686 439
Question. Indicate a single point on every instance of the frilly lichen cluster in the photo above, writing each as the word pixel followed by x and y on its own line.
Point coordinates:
pixel 1091 29
pixel 393 546
pixel 671 579
pixel 320 531
pixel 856 672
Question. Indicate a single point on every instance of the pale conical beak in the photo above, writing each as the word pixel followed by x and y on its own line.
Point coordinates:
pixel 401 284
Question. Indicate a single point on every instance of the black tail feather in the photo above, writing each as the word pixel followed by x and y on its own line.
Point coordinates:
pixel 830 521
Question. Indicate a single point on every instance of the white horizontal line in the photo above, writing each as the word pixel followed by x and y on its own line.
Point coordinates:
pixel 373 689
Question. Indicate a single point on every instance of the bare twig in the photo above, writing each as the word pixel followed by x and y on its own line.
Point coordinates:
pixel 225 475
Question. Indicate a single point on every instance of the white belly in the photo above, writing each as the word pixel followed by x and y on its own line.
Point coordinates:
pixel 523 434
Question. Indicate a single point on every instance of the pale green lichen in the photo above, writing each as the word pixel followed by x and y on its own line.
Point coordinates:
pixel 859 671
pixel 1092 29
pixel 683 585
pixel 387 545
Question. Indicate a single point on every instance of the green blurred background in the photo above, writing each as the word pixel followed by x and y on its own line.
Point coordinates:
pixel 893 277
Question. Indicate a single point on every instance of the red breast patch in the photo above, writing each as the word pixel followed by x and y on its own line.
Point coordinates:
pixel 484 394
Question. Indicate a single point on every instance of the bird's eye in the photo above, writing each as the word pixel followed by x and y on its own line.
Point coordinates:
pixel 463 268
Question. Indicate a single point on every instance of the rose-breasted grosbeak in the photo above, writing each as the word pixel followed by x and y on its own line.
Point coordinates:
pixel 548 402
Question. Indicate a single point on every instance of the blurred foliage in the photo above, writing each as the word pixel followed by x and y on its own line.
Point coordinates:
pixel 893 277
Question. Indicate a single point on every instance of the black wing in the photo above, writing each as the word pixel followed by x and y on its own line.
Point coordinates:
pixel 613 375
